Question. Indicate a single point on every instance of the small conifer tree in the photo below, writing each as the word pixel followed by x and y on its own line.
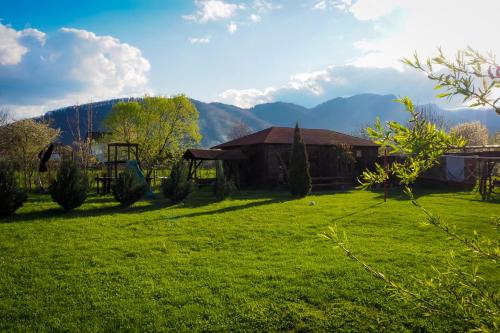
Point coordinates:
pixel 178 185
pixel 222 187
pixel 11 197
pixel 128 189
pixel 70 187
pixel 299 179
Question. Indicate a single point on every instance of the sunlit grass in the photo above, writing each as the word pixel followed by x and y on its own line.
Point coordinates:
pixel 253 262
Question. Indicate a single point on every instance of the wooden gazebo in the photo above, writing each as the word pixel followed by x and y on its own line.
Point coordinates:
pixel 196 157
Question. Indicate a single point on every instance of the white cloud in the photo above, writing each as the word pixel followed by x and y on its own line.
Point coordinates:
pixel 263 6
pixel 232 27
pixel 320 5
pixel 67 67
pixel 426 25
pixel 422 25
pixel 199 40
pixel 375 9
pixel 213 10
pixel 255 18
pixel 337 81
pixel 14 44
pixel 246 98
pixel 332 4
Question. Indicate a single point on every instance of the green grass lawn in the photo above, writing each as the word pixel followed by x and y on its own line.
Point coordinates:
pixel 250 263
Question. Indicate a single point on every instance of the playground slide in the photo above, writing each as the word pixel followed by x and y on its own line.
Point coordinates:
pixel 134 166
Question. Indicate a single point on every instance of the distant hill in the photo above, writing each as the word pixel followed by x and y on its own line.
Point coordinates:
pixel 346 115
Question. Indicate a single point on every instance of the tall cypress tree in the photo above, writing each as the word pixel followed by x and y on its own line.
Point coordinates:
pixel 299 178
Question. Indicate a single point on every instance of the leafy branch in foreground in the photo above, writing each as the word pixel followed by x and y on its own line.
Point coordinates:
pixel 452 292
pixel 341 242
pixel 485 248
pixel 449 293
pixel 422 143
pixel 471 74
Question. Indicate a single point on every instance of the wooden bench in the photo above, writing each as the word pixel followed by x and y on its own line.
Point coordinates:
pixel 334 183
pixel 205 181
pixel 106 184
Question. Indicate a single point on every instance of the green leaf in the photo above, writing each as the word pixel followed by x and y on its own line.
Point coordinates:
pixel 443 95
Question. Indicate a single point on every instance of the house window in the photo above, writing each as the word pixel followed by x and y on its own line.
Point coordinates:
pixel 359 153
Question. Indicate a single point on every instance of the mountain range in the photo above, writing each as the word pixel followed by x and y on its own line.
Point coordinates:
pixel 347 115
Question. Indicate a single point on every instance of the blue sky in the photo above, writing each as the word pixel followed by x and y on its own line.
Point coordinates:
pixel 58 53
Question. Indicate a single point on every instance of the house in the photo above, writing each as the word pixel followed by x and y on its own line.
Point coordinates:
pixel 262 158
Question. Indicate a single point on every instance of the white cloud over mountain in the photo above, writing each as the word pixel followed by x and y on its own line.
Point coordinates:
pixel 334 81
pixel 39 72
pixel 423 25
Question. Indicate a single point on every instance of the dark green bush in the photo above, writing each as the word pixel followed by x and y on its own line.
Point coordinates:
pixel 11 197
pixel 222 186
pixel 70 187
pixel 129 189
pixel 177 186
pixel 299 179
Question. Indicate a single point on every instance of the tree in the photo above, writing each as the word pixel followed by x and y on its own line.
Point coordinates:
pixel 222 187
pixel 362 131
pixel 471 75
pixel 82 144
pixel 475 133
pixel 430 115
pixel 299 179
pixel 128 189
pixel 238 130
pixel 163 127
pixel 11 197
pixel 70 187
pixel 21 141
pixel 178 185
pixel 4 116
pixel 426 111
pixel 124 120
pixel 422 143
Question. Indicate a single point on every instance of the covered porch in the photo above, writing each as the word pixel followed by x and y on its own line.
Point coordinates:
pixel 200 158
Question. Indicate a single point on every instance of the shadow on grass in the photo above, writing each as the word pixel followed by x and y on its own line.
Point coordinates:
pixel 396 193
pixel 364 211
pixel 100 199
pixel 59 213
pixel 232 208
pixel 205 197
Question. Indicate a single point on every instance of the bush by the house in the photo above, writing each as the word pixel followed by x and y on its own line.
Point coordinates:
pixel 222 186
pixel 299 178
pixel 70 187
pixel 128 189
pixel 11 197
pixel 178 186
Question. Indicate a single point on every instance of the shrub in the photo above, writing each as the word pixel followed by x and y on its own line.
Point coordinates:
pixel 128 189
pixel 177 186
pixel 299 179
pixel 222 187
pixel 70 187
pixel 11 197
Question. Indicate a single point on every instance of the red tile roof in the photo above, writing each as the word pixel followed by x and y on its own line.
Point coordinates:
pixel 284 135
pixel 214 154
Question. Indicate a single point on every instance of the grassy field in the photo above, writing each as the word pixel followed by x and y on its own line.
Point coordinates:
pixel 250 263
